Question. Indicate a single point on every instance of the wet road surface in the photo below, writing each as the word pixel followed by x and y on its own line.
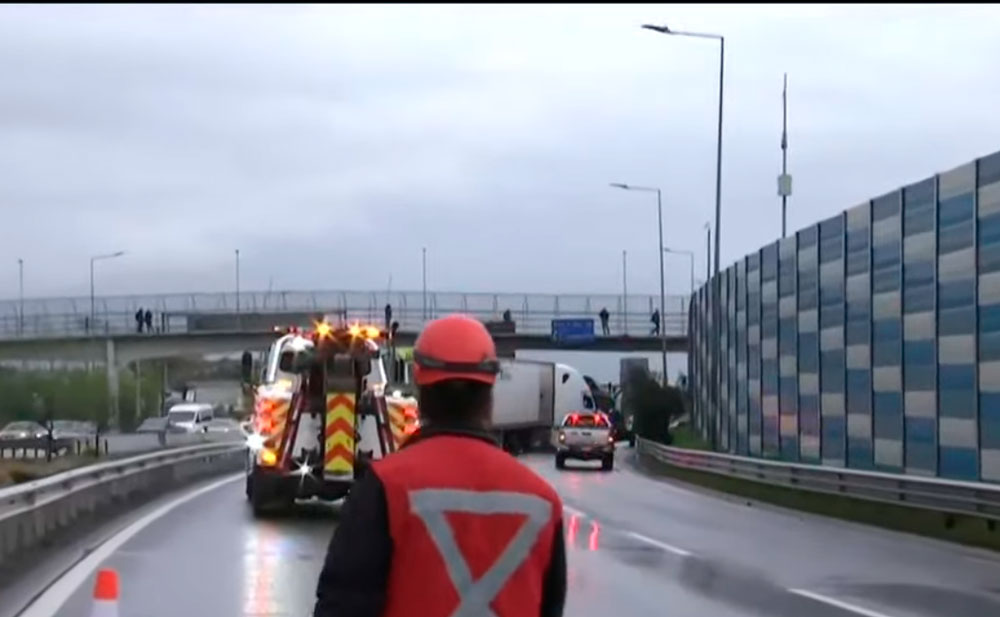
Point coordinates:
pixel 636 545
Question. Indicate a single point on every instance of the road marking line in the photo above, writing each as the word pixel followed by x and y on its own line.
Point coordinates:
pixel 48 603
pixel 837 603
pixel 573 511
pixel 667 547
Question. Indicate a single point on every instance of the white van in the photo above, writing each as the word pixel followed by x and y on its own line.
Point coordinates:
pixel 191 417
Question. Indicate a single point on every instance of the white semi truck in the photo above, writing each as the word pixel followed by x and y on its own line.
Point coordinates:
pixel 531 398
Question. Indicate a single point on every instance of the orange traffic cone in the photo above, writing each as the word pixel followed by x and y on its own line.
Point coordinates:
pixel 105 594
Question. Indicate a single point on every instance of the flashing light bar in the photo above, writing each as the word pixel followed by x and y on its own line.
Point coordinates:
pixel 323 329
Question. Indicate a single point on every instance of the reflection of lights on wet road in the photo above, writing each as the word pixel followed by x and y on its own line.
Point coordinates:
pixel 573 527
pixel 260 565
pixel 595 534
pixel 573 532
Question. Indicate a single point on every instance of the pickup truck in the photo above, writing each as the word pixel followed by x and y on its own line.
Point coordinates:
pixel 585 437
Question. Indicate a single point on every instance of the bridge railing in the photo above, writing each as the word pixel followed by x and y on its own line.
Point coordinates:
pixel 532 314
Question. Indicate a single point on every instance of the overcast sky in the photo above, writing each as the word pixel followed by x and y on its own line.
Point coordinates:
pixel 330 143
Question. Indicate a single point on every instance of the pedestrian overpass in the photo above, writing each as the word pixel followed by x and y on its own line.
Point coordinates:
pixel 67 330
pixel 531 314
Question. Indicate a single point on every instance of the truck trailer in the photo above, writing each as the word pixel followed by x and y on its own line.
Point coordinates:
pixel 531 398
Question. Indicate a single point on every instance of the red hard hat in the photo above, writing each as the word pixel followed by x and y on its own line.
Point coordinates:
pixel 455 347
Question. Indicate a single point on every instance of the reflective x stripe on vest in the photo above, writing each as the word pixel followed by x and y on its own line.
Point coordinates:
pixel 431 506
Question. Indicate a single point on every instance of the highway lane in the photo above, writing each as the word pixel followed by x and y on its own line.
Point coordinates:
pixel 635 545
pixel 752 555
pixel 210 557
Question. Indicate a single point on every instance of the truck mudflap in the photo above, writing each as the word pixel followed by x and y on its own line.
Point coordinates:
pixel 338 451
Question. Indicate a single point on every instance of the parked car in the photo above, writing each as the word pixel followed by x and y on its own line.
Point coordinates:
pixel 152 425
pixel 73 429
pixel 23 430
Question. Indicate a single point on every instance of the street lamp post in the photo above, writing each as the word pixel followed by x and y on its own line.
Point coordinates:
pixel 708 252
pixel 690 255
pixel 423 277
pixel 718 151
pixel 624 293
pixel 94 259
pixel 20 297
pixel 663 295
pixel 718 199
pixel 238 318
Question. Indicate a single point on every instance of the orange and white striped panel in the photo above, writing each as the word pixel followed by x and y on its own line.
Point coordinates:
pixel 397 422
pixel 271 419
pixel 402 420
pixel 338 451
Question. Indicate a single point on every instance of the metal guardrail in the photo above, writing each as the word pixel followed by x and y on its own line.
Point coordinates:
pixel 106 444
pixel 116 315
pixel 41 447
pixel 32 512
pixel 934 494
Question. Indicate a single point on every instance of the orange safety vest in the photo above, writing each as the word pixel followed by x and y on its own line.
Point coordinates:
pixel 472 530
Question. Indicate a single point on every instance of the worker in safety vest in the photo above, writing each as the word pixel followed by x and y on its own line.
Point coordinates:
pixel 450 525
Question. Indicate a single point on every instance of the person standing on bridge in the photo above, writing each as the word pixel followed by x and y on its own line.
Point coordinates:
pixel 149 321
pixel 655 320
pixel 388 316
pixel 450 524
pixel 605 316
pixel 138 320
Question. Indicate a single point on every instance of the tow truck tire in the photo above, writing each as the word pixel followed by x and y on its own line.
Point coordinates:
pixel 608 462
pixel 560 461
pixel 265 497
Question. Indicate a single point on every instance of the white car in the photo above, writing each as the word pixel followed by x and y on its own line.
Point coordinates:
pixel 190 417
pixel 586 437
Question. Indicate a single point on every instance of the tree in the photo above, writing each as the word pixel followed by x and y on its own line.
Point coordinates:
pixel 652 405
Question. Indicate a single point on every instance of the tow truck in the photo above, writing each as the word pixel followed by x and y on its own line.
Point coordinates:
pixel 320 415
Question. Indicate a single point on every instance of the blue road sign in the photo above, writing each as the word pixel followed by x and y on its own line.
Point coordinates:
pixel 573 330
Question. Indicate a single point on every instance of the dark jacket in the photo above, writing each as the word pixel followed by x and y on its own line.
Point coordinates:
pixel 354 577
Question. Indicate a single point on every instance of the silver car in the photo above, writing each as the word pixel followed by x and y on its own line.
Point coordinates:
pixel 23 430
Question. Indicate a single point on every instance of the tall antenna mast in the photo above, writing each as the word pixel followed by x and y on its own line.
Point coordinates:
pixel 784 180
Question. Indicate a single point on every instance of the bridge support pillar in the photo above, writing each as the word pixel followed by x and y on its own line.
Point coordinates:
pixel 111 366
pixel 506 349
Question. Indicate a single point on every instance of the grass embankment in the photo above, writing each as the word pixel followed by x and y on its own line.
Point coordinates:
pixel 685 437
pixel 954 528
pixel 17 471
